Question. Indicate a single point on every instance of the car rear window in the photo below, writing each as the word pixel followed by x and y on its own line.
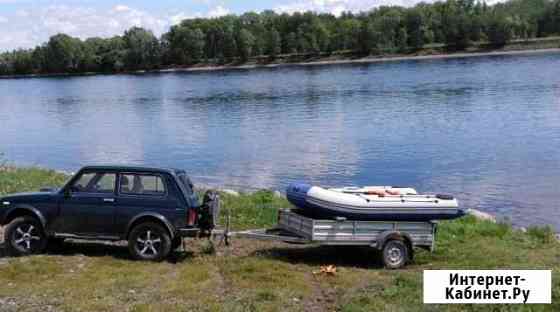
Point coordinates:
pixel 142 184
pixel 186 181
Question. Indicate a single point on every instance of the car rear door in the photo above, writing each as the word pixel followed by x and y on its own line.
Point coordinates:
pixel 147 193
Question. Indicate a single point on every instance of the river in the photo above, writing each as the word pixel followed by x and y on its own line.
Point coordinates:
pixel 486 129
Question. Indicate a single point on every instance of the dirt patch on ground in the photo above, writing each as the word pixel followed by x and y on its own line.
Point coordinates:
pixel 26 304
pixel 323 298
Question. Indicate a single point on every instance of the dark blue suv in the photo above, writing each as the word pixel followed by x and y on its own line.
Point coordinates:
pixel 151 208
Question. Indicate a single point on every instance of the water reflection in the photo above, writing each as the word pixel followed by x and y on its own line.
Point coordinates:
pixel 486 129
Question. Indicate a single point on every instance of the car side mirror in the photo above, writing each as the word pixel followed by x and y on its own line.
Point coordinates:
pixel 68 192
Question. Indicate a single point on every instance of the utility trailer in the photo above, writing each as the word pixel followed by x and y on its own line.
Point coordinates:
pixel 396 240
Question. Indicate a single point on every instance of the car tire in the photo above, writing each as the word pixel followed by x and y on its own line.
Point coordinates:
pixel 25 236
pixel 176 242
pixel 395 254
pixel 149 242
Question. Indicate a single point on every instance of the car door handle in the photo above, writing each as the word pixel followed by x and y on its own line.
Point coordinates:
pixel 109 200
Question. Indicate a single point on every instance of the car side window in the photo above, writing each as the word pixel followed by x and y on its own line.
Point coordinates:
pixel 142 184
pixel 82 183
pixel 91 182
pixel 106 183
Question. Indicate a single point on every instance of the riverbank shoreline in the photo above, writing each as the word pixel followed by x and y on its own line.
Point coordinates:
pixel 366 60
pixel 313 61
pixel 34 178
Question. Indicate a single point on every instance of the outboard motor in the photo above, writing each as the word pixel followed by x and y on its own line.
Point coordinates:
pixel 209 213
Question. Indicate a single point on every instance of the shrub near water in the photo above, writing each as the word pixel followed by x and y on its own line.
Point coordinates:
pixel 14 180
pixel 543 235
pixel 256 210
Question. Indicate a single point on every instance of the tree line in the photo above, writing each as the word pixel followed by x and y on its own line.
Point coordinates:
pixel 388 29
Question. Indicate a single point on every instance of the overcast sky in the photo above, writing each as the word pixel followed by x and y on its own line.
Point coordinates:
pixel 26 23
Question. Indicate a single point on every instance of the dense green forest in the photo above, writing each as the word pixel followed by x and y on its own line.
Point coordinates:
pixel 385 30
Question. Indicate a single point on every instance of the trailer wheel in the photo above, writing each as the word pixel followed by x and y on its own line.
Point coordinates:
pixel 395 254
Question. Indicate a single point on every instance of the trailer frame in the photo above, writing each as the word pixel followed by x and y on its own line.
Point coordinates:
pixel 396 239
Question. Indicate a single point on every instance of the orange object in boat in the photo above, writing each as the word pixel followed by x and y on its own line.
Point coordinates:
pixel 379 193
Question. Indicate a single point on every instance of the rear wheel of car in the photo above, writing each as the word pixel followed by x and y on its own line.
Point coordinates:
pixel 395 254
pixel 149 241
pixel 176 242
pixel 25 236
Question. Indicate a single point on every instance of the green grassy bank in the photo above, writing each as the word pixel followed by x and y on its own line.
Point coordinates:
pixel 258 276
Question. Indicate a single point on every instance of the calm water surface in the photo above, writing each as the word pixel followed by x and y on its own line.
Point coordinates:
pixel 486 129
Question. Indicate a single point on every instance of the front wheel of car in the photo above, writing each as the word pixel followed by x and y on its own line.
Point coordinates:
pixel 149 241
pixel 25 236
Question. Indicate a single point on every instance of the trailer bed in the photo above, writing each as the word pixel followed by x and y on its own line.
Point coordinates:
pixel 295 228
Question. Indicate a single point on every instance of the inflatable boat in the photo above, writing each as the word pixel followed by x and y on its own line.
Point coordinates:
pixel 372 203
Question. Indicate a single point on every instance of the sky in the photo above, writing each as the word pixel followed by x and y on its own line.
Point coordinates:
pixel 27 23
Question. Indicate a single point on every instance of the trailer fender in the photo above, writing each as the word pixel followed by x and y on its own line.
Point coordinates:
pixel 386 236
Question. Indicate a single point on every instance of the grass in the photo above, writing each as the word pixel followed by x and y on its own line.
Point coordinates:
pixel 27 179
pixel 259 276
pixel 257 209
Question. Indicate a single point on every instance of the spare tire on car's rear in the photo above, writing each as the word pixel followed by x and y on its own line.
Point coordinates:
pixel 209 212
